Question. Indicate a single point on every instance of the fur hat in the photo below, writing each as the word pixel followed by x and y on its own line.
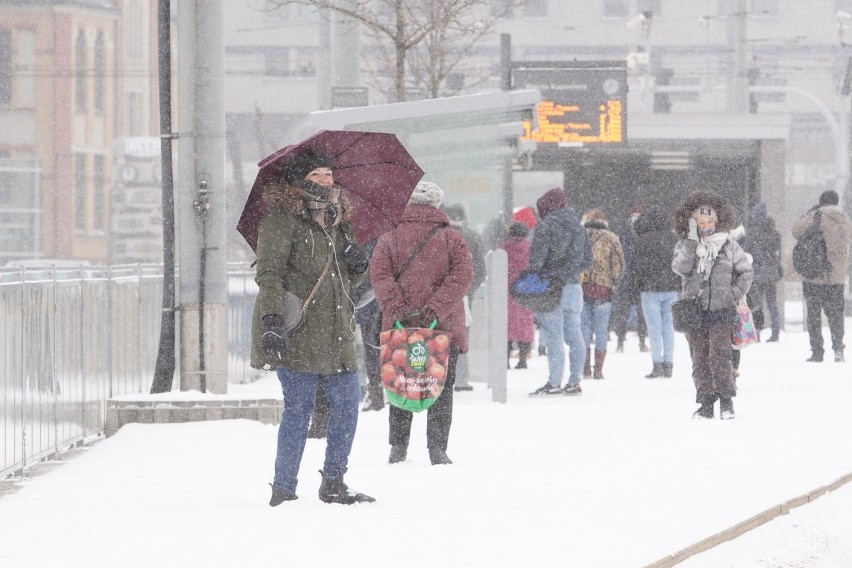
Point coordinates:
pixel 552 200
pixel 426 193
pixel 829 197
pixel 305 163
pixel 704 199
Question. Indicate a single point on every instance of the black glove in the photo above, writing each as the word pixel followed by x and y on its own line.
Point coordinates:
pixel 274 338
pixel 356 258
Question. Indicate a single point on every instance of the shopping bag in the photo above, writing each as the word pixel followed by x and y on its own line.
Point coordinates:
pixel 413 365
pixel 687 314
pixel 744 333
pixel 537 293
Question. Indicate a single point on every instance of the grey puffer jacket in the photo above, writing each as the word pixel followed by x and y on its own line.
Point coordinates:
pixel 730 276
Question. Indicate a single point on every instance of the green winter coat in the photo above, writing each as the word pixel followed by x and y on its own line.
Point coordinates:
pixel 292 251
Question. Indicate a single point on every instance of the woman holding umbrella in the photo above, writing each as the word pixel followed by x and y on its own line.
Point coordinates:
pixel 305 247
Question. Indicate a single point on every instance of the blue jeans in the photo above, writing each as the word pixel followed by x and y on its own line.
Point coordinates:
pixel 657 309
pixel 344 393
pixel 595 320
pixel 562 326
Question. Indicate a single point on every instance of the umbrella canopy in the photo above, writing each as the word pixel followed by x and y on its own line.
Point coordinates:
pixel 376 170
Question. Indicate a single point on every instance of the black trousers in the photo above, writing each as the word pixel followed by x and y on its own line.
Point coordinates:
pixel 439 416
pixel 710 348
pixel 826 298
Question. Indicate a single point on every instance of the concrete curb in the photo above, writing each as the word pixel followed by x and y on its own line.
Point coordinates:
pixel 125 411
pixel 749 524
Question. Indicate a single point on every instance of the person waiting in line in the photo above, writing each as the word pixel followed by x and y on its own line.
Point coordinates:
pixel 658 285
pixel 458 220
pixel 627 299
pixel 763 242
pixel 598 283
pixel 432 289
pixel 520 320
pixel 825 292
pixel 558 249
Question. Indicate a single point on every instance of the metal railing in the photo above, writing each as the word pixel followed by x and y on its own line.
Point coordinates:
pixel 73 337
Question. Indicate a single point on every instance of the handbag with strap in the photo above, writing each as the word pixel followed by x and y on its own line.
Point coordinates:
pixel 398 274
pixel 537 293
pixel 294 307
pixel 687 314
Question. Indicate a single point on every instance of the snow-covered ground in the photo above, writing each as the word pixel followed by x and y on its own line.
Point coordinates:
pixel 620 477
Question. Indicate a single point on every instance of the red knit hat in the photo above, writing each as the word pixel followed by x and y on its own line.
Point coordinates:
pixel 552 200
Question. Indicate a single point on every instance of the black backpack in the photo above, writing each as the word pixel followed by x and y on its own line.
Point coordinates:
pixel 810 255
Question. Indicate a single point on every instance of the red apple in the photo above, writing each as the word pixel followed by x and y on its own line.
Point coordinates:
pixel 399 357
pixel 389 373
pixel 438 371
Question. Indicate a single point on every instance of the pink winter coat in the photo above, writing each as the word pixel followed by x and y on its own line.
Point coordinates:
pixel 521 327
pixel 437 278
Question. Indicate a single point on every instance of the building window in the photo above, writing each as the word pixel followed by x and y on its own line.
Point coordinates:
pixel 5 66
pixel 615 9
pixel 80 192
pixel 100 195
pixel 535 8
pixel 277 62
pixel 763 7
pixel 305 63
pixel 653 6
pixel 135 28
pixel 134 114
pixel 80 72
pixel 100 62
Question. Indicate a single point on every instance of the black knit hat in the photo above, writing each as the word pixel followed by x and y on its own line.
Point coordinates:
pixel 305 163
pixel 829 197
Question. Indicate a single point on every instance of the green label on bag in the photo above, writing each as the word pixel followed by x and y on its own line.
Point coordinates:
pixel 418 354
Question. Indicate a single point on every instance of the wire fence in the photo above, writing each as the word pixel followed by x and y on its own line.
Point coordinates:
pixel 72 337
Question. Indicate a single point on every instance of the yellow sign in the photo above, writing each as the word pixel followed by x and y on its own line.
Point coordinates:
pixel 564 123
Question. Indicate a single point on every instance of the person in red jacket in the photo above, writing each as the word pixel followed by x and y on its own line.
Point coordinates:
pixel 431 287
pixel 521 326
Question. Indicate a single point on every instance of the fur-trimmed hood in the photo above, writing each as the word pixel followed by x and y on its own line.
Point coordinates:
pixel 696 199
pixel 281 195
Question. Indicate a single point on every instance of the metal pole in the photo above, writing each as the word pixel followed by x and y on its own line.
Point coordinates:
pixel 497 288
pixel 164 369
pixel 506 85
pixel 202 177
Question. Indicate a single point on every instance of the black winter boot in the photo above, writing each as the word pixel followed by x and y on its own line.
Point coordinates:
pixel 667 370
pixel 334 490
pixel 657 371
pixel 706 409
pixel 398 454
pixel 523 353
pixel 726 409
pixel 279 496
pixel 439 457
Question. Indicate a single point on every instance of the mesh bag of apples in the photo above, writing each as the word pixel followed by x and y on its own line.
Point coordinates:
pixel 414 365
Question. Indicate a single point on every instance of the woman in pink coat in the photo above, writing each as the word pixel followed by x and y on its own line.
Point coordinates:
pixel 431 287
pixel 521 326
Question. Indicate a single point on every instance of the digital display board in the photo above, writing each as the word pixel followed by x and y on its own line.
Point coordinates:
pixel 582 102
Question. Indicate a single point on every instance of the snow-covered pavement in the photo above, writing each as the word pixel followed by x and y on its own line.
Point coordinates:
pixel 620 477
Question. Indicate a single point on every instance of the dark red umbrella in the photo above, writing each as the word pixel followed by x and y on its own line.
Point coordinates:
pixel 375 168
